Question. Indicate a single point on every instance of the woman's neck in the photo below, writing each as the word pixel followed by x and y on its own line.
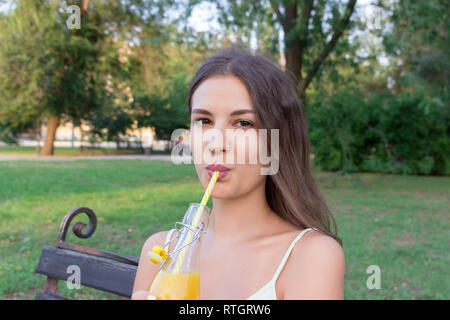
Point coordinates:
pixel 238 218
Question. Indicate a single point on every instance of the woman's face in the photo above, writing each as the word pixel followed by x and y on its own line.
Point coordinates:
pixel 224 132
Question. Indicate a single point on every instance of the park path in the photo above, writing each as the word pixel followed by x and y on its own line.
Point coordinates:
pixel 13 157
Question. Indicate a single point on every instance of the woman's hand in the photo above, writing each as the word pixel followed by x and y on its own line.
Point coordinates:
pixel 140 295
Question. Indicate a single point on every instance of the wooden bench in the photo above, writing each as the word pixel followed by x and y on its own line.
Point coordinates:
pixel 102 270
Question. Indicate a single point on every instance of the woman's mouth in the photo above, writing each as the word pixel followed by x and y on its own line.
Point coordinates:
pixel 223 171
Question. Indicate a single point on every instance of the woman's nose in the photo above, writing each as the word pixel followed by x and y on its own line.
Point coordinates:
pixel 216 140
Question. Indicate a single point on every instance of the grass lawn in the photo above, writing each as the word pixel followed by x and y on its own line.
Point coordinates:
pixel 399 223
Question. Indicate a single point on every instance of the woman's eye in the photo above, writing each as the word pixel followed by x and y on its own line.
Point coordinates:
pixel 244 124
pixel 202 121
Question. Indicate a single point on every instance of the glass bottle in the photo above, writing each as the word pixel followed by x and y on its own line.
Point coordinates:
pixel 179 275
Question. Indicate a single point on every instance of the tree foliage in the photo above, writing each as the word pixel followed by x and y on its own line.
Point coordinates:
pixel 311 30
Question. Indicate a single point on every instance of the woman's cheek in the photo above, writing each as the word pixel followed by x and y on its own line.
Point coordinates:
pixel 246 179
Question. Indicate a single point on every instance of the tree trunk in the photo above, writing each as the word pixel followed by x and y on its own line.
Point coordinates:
pixel 329 47
pixel 295 19
pixel 81 137
pixel 52 125
pixel 294 60
pixel 85 5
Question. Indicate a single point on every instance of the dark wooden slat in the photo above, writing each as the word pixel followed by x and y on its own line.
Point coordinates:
pixel 100 253
pixel 98 273
pixel 48 296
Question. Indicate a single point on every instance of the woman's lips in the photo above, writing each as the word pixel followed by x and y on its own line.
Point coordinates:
pixel 223 171
pixel 222 174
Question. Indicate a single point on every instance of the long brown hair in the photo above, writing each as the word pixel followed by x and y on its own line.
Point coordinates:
pixel 292 192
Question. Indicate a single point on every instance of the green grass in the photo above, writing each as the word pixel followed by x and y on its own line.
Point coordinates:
pixel 399 223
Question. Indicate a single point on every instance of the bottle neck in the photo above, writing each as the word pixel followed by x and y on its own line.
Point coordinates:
pixel 186 252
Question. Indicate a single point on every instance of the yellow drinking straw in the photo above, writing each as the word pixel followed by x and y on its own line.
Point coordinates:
pixel 188 239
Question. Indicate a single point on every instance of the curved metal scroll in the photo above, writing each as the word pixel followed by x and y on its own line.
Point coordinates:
pixel 78 231
pixel 79 226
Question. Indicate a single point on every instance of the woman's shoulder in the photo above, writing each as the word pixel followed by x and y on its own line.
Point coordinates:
pixel 147 270
pixel 316 260
pixel 157 238
pixel 316 245
pixel 308 243
pixel 311 238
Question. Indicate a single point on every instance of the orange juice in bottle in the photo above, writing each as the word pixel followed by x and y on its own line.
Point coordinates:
pixel 176 286
pixel 179 275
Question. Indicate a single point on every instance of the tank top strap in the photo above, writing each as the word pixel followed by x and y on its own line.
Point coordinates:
pixel 288 252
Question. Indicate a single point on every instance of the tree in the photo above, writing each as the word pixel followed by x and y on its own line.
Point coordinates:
pixel 311 30
pixel 167 112
pixel 160 82
pixel 109 124
pixel 391 116
pixel 418 45
pixel 48 71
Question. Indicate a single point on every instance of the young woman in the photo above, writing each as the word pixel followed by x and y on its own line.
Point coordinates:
pixel 252 247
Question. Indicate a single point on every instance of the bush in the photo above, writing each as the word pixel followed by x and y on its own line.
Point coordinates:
pixel 405 133
pixel 9 132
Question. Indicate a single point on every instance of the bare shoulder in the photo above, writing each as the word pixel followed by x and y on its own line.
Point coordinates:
pixel 321 246
pixel 315 268
pixel 157 238
pixel 147 270
pixel 316 249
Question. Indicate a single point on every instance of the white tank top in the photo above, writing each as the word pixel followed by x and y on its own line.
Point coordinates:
pixel 268 291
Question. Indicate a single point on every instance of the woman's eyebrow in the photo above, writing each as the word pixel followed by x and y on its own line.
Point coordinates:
pixel 198 110
pixel 234 113
pixel 241 111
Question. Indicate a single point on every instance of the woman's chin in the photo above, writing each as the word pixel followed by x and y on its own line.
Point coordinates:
pixel 221 191
pixel 221 195
pixel 222 188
